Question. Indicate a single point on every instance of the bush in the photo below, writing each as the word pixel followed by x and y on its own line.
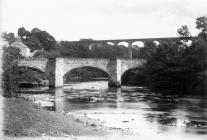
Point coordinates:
pixel 10 80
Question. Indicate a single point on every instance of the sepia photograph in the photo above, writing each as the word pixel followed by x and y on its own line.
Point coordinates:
pixel 103 70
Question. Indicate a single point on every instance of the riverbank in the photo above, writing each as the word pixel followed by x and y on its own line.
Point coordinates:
pixel 21 118
pixel 22 122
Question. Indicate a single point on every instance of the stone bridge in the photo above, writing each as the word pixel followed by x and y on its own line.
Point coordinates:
pixel 58 67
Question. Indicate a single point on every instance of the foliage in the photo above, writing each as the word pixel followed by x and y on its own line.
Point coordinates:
pixel 45 54
pixel 29 75
pixel 184 34
pixel 201 24
pixel 10 71
pixel 175 66
pixel 145 52
pixel 37 39
pixel 96 50
pixel 134 77
pixel 9 37
pixel 183 31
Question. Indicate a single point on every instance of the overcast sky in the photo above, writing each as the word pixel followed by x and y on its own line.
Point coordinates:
pixel 102 19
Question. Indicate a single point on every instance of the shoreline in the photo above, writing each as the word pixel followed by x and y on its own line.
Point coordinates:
pixel 22 118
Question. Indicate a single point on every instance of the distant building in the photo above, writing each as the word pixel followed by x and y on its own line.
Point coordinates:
pixel 25 51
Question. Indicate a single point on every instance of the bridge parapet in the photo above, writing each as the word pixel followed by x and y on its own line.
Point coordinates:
pixel 33 59
pixel 39 64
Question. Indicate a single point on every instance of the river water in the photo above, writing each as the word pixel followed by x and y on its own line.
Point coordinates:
pixel 136 110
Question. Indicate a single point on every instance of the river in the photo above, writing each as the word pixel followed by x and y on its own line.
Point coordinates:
pixel 137 110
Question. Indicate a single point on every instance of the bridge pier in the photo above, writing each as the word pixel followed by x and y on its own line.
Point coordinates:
pixel 114 73
pixel 130 50
pixel 59 73
pixel 50 70
pixel 55 72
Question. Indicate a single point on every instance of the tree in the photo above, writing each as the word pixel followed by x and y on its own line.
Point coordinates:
pixel 10 71
pixel 172 68
pixel 185 36
pixel 184 33
pixel 48 42
pixel 201 24
pixel 23 34
pixel 147 50
pixel 34 44
pixel 37 39
pixel 10 38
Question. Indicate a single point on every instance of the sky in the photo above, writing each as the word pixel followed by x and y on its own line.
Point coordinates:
pixel 102 19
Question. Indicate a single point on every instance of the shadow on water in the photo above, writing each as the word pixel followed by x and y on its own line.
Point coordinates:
pixel 164 112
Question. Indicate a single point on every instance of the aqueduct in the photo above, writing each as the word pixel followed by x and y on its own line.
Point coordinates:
pixel 58 67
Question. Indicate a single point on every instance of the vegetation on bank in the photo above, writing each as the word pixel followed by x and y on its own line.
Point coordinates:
pixel 170 65
pixel 10 75
pixel 178 65
pixel 22 119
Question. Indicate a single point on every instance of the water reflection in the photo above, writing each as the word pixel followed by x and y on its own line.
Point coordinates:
pixel 134 108
pixel 59 100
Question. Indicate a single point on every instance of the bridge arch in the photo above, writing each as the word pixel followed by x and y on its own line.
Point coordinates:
pixel 123 43
pixel 156 43
pixel 110 43
pixel 133 76
pixel 131 68
pixel 87 66
pixel 33 67
pixel 104 73
pixel 138 44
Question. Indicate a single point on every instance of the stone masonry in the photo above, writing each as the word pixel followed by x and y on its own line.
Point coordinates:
pixel 57 68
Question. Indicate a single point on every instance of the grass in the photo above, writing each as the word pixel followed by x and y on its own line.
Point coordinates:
pixel 22 119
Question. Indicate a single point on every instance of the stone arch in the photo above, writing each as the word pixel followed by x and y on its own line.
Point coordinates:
pixel 84 66
pixel 139 44
pixel 130 68
pixel 33 67
pixel 124 43
pixel 110 43
pixel 77 67
pixel 129 75
pixel 130 64
pixel 156 42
